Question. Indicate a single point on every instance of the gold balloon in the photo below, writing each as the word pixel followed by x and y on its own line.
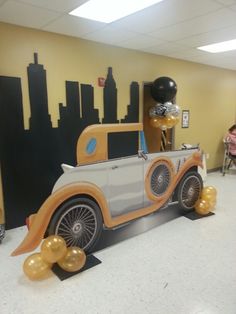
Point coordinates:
pixel 169 121
pixel 163 126
pixel 209 190
pixel 156 122
pixel 212 203
pixel 202 207
pixel 211 199
pixel 208 197
pixel 35 268
pixel 53 249
pixel 74 259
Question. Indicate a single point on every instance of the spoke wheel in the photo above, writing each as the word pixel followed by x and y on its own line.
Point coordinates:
pixel 79 222
pixel 189 190
pixel 160 180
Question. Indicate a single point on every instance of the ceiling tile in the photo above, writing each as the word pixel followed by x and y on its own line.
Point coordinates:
pixel 212 37
pixel 173 27
pixel 21 14
pixel 73 26
pixel 202 57
pixel 110 34
pixel 167 13
pixel 164 48
pixel 140 41
pixel 58 5
pixel 199 25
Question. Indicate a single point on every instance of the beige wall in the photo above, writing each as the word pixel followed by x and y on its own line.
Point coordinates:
pixel 208 92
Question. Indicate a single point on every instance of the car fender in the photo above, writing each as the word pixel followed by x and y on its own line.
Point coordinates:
pixel 194 160
pixel 41 220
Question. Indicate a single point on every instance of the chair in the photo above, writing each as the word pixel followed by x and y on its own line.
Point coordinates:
pixel 228 158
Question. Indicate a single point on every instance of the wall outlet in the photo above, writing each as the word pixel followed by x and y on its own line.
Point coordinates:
pixel 207 155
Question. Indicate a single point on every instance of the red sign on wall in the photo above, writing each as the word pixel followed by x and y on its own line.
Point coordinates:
pixel 101 81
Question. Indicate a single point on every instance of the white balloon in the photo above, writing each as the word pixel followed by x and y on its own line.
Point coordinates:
pixel 159 110
pixel 174 110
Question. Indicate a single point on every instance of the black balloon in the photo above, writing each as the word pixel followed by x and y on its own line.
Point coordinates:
pixel 163 89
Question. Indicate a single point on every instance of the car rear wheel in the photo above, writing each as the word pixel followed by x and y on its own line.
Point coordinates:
pixel 79 222
pixel 189 190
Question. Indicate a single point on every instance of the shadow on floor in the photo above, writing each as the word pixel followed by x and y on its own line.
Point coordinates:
pixel 111 237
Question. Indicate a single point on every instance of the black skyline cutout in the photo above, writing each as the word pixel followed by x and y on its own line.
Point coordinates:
pixel 31 159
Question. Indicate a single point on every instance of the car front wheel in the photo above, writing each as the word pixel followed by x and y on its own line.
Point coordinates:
pixel 79 222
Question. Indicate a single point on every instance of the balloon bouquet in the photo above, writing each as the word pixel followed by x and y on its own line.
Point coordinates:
pixel 38 266
pixel 207 200
pixel 165 114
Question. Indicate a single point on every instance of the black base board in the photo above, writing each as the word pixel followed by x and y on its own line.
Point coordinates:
pixel 91 261
pixel 194 216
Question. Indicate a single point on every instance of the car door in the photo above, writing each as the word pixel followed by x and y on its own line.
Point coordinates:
pixel 125 185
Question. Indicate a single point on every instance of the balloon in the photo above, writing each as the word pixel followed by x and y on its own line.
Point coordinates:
pixel 202 207
pixel 212 203
pixel 53 248
pixel 163 89
pixel 152 112
pixel 209 190
pixel 74 259
pixel 156 122
pixel 211 199
pixel 35 268
pixel 208 197
pixel 173 110
pixel 163 127
pixel 157 110
pixel 169 121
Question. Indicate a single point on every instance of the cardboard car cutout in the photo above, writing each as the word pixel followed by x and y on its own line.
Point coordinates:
pixel 106 193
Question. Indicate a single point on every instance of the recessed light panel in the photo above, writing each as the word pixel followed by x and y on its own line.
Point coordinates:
pixel 220 47
pixel 107 11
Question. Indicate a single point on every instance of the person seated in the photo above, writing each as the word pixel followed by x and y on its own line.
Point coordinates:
pixel 230 139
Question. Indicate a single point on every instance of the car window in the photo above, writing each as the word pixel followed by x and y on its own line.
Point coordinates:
pixel 122 144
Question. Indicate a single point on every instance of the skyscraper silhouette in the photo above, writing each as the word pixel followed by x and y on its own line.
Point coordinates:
pixel 110 99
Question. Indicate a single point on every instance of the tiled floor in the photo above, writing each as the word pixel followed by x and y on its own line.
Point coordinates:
pixel 180 267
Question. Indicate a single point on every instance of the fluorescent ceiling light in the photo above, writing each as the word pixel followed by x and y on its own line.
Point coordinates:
pixel 220 47
pixel 108 11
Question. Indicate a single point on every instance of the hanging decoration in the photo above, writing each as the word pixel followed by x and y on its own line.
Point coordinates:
pixel 165 114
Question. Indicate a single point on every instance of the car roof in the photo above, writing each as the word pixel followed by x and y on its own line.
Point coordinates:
pixel 92 145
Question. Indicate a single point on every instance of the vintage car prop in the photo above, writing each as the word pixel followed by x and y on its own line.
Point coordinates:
pixel 106 193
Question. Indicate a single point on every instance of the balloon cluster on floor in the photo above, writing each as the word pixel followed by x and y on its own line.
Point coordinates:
pixel 165 114
pixel 38 266
pixel 207 200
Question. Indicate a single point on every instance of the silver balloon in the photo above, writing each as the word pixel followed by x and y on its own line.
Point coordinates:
pixel 168 105
pixel 152 112
pixel 159 110
pixel 173 110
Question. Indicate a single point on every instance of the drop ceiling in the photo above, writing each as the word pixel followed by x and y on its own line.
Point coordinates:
pixel 173 28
